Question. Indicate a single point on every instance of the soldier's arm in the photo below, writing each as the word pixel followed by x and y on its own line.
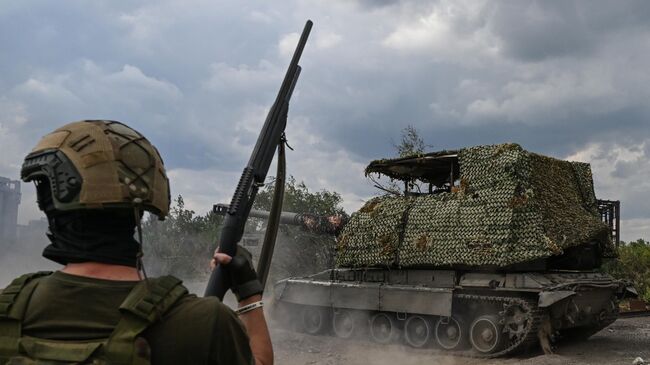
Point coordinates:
pixel 254 321
pixel 258 332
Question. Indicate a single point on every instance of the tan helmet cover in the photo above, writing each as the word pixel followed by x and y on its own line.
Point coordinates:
pixel 119 167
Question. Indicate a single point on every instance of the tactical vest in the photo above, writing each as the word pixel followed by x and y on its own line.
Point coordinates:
pixel 144 305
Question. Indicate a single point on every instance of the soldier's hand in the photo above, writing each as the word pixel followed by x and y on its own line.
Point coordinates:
pixel 242 274
pixel 219 258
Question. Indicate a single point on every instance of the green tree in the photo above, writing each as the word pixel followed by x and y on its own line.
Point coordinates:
pixel 633 264
pixel 299 252
pixel 181 244
pixel 411 143
pixel 299 199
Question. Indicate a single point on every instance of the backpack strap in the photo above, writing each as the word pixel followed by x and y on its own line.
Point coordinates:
pixel 13 304
pixel 147 302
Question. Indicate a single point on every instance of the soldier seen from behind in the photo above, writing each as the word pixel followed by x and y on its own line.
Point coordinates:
pixel 94 181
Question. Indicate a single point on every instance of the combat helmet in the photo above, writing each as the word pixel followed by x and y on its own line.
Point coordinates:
pixel 99 164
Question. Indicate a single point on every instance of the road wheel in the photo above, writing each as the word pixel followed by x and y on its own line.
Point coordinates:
pixel 383 328
pixel 315 320
pixel 450 333
pixel 346 323
pixel 486 335
pixel 417 331
pixel 517 320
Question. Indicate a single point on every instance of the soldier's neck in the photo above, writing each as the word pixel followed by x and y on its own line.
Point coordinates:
pixel 99 270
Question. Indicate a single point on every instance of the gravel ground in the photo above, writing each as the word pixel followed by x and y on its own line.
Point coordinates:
pixel 620 343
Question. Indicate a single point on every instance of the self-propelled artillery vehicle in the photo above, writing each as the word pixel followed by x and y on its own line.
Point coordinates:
pixel 487 249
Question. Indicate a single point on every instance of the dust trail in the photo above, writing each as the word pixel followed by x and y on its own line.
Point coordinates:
pixel 24 256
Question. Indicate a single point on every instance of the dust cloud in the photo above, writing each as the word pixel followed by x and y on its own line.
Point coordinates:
pixel 292 348
pixel 24 255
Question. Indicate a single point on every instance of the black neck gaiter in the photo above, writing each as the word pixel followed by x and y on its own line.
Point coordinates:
pixel 104 236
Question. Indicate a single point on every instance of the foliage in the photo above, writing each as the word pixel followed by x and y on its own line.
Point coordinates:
pixel 633 264
pixel 411 142
pixel 298 199
pixel 299 252
pixel 181 244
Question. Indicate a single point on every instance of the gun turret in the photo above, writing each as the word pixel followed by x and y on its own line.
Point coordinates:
pixel 313 223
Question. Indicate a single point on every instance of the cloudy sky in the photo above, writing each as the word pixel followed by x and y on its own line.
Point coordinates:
pixel 564 78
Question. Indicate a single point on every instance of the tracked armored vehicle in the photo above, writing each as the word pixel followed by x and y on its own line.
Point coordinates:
pixel 487 250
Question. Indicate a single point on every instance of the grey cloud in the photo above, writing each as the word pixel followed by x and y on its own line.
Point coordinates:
pixel 539 30
pixel 533 31
pixel 374 4
pixel 605 16
pixel 197 79
pixel 622 172
pixel 624 169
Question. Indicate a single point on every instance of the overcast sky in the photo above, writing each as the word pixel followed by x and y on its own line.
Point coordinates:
pixel 563 78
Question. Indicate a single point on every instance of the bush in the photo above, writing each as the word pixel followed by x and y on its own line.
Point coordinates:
pixel 299 252
pixel 633 264
pixel 181 244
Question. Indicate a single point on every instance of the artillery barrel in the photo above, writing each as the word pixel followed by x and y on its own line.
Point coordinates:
pixel 290 218
pixel 310 222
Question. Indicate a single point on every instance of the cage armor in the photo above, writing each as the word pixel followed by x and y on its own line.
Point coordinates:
pixel 96 164
pixel 143 307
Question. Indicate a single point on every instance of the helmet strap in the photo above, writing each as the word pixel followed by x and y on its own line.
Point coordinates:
pixel 139 264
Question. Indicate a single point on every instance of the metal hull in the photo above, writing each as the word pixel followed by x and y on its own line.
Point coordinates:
pixel 494 314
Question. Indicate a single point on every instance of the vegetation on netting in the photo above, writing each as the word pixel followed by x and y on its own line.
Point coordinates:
pixel 633 264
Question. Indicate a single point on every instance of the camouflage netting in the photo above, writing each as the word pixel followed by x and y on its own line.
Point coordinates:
pixel 512 206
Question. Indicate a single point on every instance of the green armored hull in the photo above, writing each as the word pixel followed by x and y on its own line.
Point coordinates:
pixel 508 207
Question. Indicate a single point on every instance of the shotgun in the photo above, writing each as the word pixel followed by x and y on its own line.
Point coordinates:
pixel 254 174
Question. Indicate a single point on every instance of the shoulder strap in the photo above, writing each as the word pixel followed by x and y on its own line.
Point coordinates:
pixel 9 295
pixel 151 298
pixel 13 303
pixel 144 306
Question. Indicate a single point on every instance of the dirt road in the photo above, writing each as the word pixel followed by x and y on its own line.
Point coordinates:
pixel 620 343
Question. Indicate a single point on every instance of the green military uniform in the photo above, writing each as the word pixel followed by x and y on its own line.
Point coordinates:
pixel 193 330
pixel 94 179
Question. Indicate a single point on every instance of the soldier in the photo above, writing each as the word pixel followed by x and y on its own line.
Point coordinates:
pixel 94 180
